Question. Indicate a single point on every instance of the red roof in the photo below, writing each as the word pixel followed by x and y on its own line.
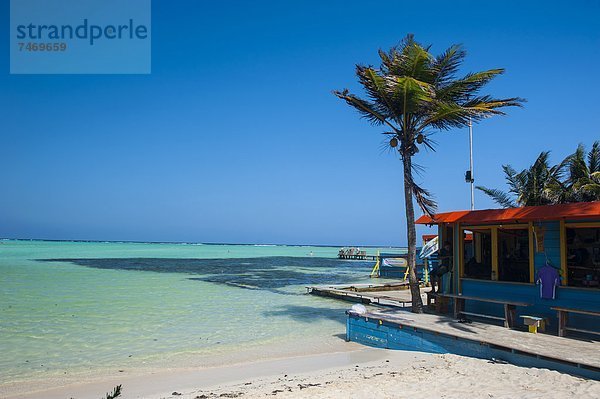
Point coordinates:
pixel 580 210
pixel 428 237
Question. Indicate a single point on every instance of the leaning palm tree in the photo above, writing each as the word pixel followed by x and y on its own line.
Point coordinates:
pixel 412 95
pixel 539 184
pixel 583 180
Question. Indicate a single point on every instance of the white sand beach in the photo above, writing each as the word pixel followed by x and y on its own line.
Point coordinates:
pixel 358 372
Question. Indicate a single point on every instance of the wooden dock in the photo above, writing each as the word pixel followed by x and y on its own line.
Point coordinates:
pixel 394 327
pixel 357 257
pixel 389 294
pixel 400 329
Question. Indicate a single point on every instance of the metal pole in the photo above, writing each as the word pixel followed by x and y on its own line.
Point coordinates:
pixel 471 164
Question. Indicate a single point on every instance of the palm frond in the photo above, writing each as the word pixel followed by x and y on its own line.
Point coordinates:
pixel 365 108
pixel 511 176
pixel 408 93
pixel 409 58
pixel 465 88
pixel 594 158
pixel 446 115
pixel 375 86
pixel 500 197
pixel 419 170
pixel 576 164
pixel 446 65
pixel 429 143
pixel 592 191
pixel 424 199
pixel 480 107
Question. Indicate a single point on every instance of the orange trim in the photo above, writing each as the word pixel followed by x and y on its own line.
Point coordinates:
pixel 428 237
pixel 581 210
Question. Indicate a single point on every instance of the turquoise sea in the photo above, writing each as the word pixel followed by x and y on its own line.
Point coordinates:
pixel 70 307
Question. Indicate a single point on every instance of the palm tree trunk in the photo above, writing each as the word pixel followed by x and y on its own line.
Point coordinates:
pixel 415 292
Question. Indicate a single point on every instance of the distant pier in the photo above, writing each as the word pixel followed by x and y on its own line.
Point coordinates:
pixel 355 254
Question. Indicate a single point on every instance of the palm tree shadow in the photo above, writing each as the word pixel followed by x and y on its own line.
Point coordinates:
pixel 466 327
pixel 308 314
pixel 469 327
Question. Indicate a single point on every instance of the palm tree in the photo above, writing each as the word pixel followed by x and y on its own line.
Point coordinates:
pixel 540 184
pixel 575 179
pixel 583 181
pixel 413 94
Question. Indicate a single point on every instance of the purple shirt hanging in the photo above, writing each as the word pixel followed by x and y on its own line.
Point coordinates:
pixel 548 279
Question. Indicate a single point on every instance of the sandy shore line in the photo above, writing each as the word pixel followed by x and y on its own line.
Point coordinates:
pixel 358 373
pixel 139 368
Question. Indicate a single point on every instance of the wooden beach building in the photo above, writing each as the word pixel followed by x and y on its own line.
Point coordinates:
pixel 509 253
pixel 514 272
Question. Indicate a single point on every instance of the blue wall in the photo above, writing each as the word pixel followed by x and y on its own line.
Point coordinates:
pixel 586 299
pixel 551 246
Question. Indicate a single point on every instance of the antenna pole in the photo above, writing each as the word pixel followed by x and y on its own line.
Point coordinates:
pixel 471 164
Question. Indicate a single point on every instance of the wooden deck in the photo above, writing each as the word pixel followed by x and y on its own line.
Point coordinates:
pixel 395 295
pixel 541 346
pixel 445 333
pixel 390 294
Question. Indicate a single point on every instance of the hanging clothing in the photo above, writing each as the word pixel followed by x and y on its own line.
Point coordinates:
pixel 548 279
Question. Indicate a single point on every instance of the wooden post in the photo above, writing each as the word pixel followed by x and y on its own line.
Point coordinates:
pixel 531 254
pixel 459 256
pixel 563 253
pixel 495 253
pixel 562 323
pixel 509 315
pixel 459 306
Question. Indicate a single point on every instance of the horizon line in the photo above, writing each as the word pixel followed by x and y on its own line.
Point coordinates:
pixel 196 243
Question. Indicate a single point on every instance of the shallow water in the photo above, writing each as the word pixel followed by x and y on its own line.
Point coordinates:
pixel 74 306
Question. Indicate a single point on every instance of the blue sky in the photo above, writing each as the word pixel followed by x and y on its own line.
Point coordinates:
pixel 236 137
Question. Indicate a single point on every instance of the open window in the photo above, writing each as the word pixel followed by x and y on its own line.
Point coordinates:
pixel 446 245
pixel 583 256
pixel 497 253
pixel 513 255
pixel 478 254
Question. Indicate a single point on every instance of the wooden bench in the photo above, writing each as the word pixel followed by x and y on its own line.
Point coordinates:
pixel 563 316
pixel 510 308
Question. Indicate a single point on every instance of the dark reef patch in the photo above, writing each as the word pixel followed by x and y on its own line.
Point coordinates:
pixel 265 273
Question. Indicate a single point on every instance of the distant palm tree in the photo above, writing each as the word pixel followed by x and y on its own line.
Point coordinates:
pixel 575 179
pixel 540 184
pixel 583 180
pixel 412 94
